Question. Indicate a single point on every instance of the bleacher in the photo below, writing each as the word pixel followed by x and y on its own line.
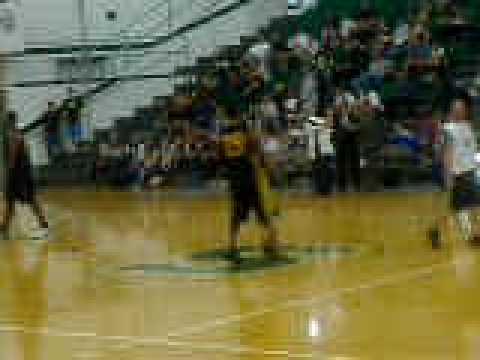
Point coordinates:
pixel 456 40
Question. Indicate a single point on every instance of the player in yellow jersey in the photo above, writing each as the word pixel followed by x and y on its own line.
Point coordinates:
pixel 243 163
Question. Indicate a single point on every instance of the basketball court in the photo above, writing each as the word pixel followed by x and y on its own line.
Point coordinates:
pixel 145 275
pixel 142 276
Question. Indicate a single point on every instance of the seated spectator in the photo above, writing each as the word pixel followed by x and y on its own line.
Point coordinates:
pixel 260 53
pixel 204 112
pixel 179 115
pixel 420 53
pixel 373 78
pixel 404 144
pixel 154 174
pixel 270 113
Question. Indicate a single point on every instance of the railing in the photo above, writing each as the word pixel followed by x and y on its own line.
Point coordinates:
pixel 119 99
pixel 154 22
pixel 157 17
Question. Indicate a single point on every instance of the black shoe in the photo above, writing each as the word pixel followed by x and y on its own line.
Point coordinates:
pixel 234 257
pixel 271 253
pixel 434 238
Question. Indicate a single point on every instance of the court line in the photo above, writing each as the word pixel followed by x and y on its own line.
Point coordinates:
pixel 221 322
pixel 134 341
pixel 291 303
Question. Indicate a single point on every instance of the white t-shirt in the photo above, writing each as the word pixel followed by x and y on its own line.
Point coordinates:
pixel 324 140
pixel 273 149
pixel 319 141
pixel 271 145
pixel 141 152
pixel 460 136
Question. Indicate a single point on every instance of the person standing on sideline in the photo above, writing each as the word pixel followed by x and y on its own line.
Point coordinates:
pixel 322 152
pixel 20 186
pixel 347 134
pixel 51 118
pixel 74 126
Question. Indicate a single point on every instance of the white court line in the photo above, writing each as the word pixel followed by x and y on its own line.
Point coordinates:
pixel 146 341
pixel 133 341
pixel 382 282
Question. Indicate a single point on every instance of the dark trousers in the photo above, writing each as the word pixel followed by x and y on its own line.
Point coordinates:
pixel 348 161
pixel 53 144
pixel 324 174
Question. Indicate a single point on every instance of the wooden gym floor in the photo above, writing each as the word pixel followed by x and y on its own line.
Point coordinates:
pixel 130 276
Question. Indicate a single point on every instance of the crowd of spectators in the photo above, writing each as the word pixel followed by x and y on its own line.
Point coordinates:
pixel 62 125
pixel 361 96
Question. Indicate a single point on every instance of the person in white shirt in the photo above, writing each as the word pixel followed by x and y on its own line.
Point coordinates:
pixel 322 152
pixel 459 165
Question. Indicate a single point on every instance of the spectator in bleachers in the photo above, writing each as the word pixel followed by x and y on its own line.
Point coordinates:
pixel 322 152
pixel 404 143
pixel 52 120
pixel 72 113
pixel 270 114
pixel 330 35
pixel 347 131
pixel 261 53
pixel 205 112
pixel 420 53
pixel 373 78
pixel 371 139
pixel 310 87
pixel 180 114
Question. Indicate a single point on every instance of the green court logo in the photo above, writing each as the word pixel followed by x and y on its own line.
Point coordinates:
pixel 216 262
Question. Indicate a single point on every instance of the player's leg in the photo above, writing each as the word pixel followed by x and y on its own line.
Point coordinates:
pixel 30 198
pixel 270 244
pixel 457 199
pixel 440 223
pixel 475 221
pixel 463 202
pixel 463 219
pixel 270 241
pixel 39 213
pixel 8 216
pixel 239 214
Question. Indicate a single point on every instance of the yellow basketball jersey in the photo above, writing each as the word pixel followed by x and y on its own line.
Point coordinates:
pixel 234 145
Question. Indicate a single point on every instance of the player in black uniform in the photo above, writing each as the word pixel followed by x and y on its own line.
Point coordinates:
pixel 241 159
pixel 19 180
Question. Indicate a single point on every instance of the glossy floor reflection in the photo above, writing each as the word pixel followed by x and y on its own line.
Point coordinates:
pixel 138 276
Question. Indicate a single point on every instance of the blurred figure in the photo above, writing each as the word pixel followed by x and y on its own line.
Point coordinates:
pixel 52 120
pixel 347 130
pixel 322 153
pixel 20 185
pixel 240 155
pixel 461 178
pixel 72 112
pixel 372 140
pixel 273 150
